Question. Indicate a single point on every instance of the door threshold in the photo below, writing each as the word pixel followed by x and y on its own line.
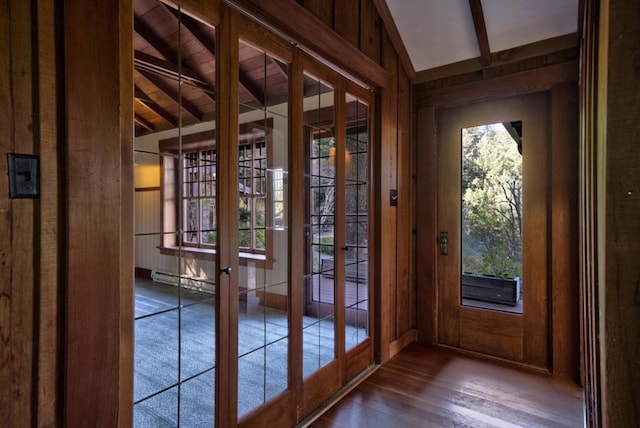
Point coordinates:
pixel 333 400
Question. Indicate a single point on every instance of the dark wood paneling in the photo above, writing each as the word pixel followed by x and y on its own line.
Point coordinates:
pixel 388 214
pixel 564 230
pixel 404 252
pixel 347 20
pixel 426 227
pixel 98 326
pixel 48 293
pixel 322 9
pixel 17 252
pixel 370 30
pixel 619 270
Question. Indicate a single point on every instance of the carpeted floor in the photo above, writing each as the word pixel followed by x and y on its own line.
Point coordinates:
pixel 175 354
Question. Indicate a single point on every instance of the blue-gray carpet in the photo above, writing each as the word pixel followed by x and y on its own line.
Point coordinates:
pixel 175 354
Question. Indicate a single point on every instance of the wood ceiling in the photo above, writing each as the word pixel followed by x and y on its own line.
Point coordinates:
pixel 174 71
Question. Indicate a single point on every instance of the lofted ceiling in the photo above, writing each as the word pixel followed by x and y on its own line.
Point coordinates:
pixel 434 33
pixel 441 32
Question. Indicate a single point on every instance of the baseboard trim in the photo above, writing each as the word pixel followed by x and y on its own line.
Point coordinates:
pixel 410 336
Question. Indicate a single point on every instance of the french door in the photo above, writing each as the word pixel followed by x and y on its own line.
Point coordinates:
pixel 253 238
pixel 493 220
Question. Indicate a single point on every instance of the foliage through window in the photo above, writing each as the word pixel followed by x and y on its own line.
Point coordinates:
pixel 199 198
pixel 252 190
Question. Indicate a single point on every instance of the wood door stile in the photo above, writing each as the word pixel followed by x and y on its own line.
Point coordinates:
pixel 340 228
pixel 296 235
pixel 226 285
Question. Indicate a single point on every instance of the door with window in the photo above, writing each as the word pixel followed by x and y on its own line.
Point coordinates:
pixel 493 220
pixel 252 227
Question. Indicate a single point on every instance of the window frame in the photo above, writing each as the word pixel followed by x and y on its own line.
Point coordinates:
pixel 173 195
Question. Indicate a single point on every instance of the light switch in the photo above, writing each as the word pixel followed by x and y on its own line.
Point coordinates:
pixel 393 197
pixel 24 176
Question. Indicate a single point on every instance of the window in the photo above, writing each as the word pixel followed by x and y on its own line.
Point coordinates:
pixel 193 209
pixel 199 198
pixel 252 190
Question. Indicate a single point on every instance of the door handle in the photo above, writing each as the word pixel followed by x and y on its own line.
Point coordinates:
pixel 226 270
pixel 443 240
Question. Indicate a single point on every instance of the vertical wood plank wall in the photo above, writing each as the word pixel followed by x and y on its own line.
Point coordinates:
pixel 17 255
pixel 29 228
pixel 89 222
pixel 618 134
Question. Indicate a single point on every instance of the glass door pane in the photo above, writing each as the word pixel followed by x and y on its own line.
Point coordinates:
pixel 320 184
pixel 175 221
pixel 356 221
pixel 492 213
pixel 263 235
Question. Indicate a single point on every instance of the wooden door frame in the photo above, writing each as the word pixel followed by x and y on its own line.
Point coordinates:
pixel 560 81
pixel 523 337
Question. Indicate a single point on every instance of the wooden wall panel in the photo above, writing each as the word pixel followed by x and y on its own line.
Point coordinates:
pixel 99 197
pixel 387 215
pixel 619 197
pixel 16 218
pixel 50 262
pixel 404 254
pixel 347 20
pixel 322 9
pixel 564 230
pixel 370 30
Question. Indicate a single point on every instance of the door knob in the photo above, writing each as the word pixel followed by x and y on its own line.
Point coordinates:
pixel 226 270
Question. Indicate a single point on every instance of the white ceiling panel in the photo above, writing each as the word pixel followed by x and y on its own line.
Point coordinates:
pixel 435 32
pixel 441 32
pixel 512 23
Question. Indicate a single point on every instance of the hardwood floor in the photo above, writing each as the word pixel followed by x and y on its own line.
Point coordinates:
pixel 433 387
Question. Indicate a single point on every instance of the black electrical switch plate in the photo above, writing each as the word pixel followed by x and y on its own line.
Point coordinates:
pixel 393 197
pixel 24 176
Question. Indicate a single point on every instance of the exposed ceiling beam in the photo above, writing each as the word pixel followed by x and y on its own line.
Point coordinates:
pixel 148 103
pixel 143 30
pixel 151 63
pixel 208 42
pixel 282 68
pixel 172 92
pixel 143 122
pixel 507 56
pixel 481 31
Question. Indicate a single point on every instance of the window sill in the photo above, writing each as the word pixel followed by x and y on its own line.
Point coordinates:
pixel 205 253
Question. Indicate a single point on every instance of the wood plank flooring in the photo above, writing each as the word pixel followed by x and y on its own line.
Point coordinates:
pixel 433 387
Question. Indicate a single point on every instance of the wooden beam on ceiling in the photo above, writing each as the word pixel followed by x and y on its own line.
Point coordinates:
pixel 295 23
pixel 507 56
pixel 481 31
pixel 172 92
pixel 208 42
pixel 156 65
pixel 144 123
pixel 144 100
pixel 156 42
